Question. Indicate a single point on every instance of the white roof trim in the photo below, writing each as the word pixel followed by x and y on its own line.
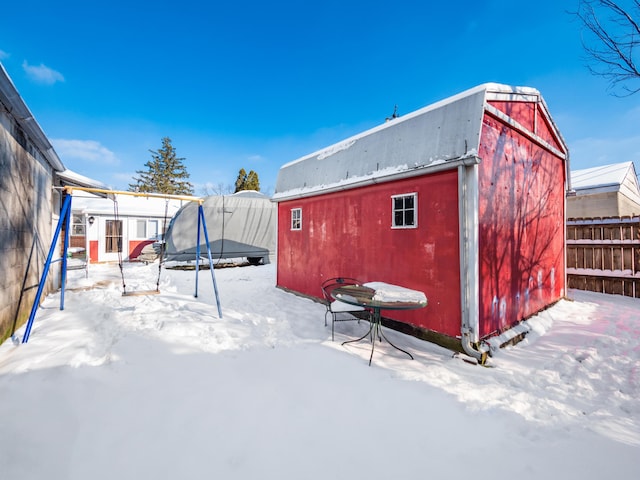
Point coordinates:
pixel 380 176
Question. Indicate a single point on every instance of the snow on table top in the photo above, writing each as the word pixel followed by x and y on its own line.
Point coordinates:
pixel 386 292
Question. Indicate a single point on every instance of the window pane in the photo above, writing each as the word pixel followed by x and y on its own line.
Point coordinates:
pixel 398 219
pixel 408 217
pixel 397 203
pixel 141 228
pixel 408 202
pixel 153 229
pixel 77 224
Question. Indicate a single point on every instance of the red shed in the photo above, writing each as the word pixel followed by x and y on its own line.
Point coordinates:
pixel 463 200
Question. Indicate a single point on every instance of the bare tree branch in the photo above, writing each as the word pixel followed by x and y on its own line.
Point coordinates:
pixel 612 42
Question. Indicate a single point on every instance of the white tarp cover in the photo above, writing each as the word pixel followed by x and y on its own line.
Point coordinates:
pixel 239 225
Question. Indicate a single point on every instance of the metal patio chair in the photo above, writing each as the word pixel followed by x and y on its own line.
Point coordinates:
pixel 340 311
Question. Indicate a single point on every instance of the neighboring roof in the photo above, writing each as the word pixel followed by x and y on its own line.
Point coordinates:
pixel 450 133
pixel 616 177
pixel 16 107
pixel 601 176
pixel 69 178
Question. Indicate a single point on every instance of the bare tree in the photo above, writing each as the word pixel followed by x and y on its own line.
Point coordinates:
pixel 218 189
pixel 611 42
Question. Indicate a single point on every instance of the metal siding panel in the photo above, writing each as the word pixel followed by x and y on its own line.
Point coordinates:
pixel 521 234
pixel 350 234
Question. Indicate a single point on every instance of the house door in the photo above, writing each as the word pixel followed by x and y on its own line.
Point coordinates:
pixel 110 243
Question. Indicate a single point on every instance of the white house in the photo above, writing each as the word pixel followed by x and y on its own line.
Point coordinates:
pixel 104 226
pixel 604 191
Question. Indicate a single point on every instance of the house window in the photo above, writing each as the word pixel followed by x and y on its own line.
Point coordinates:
pixel 77 225
pixel 141 229
pixel 405 210
pixel 152 229
pixel 113 236
pixel 296 219
pixel 147 229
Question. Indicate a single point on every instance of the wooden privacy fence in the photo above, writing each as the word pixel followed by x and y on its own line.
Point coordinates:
pixel 603 255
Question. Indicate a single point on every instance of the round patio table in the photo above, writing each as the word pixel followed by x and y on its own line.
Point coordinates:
pixel 364 296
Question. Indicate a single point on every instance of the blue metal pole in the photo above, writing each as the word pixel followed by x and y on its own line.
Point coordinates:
pixel 63 278
pixel 47 265
pixel 198 251
pixel 213 277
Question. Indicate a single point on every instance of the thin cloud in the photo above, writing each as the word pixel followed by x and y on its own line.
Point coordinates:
pixel 42 74
pixel 3 55
pixel 85 150
pixel 256 158
pixel 589 152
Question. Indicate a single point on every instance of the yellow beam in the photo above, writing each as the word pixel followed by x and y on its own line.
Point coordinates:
pixel 186 198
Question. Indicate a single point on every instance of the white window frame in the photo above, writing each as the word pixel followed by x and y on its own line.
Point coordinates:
pixel 151 228
pixel 78 227
pixel 404 210
pixel 296 219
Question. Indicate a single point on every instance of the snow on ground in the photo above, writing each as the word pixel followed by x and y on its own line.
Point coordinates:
pixel 159 387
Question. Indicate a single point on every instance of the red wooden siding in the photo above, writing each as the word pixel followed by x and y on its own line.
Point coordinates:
pixel 521 222
pixel 349 234
pixel 530 116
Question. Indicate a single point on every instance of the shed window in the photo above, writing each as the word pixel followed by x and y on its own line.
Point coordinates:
pixel 405 210
pixel 296 219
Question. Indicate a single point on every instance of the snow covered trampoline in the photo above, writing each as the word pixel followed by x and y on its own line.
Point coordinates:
pixel 242 225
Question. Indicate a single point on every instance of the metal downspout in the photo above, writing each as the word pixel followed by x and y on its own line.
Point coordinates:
pixel 468 211
pixel 568 192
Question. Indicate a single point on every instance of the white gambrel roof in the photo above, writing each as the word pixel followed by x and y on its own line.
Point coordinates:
pixel 439 136
pixel 617 177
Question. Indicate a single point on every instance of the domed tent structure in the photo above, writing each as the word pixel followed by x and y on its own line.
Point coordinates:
pixel 242 225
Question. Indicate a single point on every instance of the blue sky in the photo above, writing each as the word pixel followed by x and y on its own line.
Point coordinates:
pixel 257 84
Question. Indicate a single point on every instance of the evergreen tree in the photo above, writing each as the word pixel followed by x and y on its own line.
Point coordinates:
pixel 252 183
pixel 247 181
pixel 242 177
pixel 166 173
